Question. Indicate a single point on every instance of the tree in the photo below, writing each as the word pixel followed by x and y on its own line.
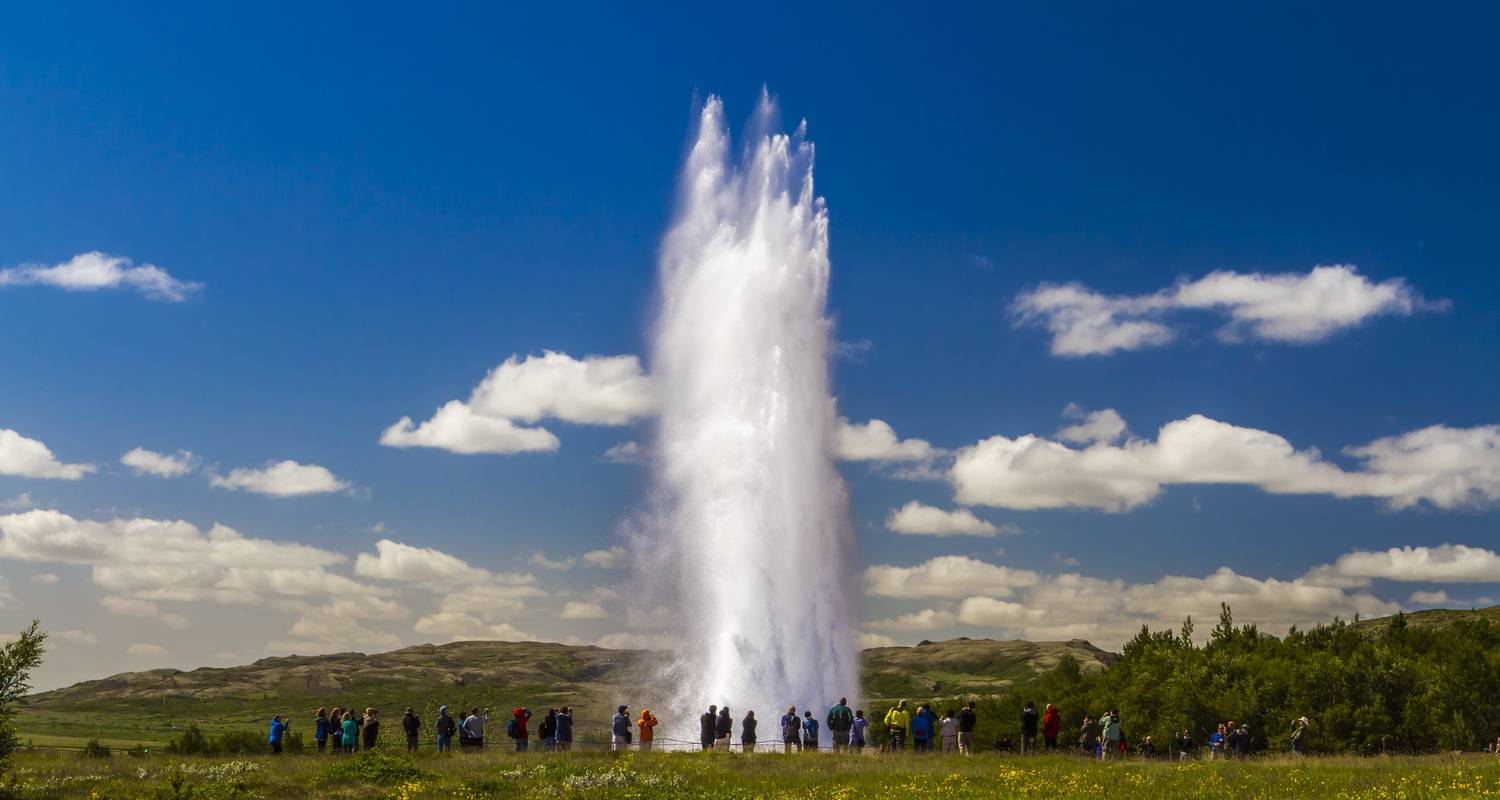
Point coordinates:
pixel 17 660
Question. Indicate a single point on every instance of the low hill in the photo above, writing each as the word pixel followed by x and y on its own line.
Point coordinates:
pixel 154 705
pixel 1431 618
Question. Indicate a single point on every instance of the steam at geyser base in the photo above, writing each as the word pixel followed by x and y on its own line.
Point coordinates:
pixel 748 540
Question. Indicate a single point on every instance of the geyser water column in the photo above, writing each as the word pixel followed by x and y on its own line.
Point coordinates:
pixel 755 516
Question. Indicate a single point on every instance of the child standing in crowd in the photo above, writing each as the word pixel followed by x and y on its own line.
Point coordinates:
pixel 859 732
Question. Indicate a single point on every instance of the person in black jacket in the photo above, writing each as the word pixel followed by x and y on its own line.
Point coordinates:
pixel 1184 746
pixel 547 731
pixel 371 730
pixel 446 727
pixel 412 726
pixel 708 726
pixel 747 732
pixel 723 728
pixel 1029 719
pixel 966 720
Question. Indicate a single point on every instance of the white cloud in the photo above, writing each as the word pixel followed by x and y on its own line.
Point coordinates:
pixel 74 636
pixel 1438 598
pixel 608 558
pixel 945 576
pixel 395 561
pixel 146 650
pixel 1448 563
pixel 1283 307
pixel 927 619
pixel 917 519
pixel 145 609
pixel 45 578
pixel 20 502
pixel 541 561
pixel 460 626
pixel 281 479
pixel 87 272
pixel 1095 427
pixel 596 390
pixel 29 458
pixel 1446 467
pixel 868 640
pixel 576 610
pixel 876 440
pixel 638 641
pixel 988 612
pixel 626 453
pixel 162 465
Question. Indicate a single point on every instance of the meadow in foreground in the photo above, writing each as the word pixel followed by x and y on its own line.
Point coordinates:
pixel 698 775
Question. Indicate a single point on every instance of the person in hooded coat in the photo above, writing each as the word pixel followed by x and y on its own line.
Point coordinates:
pixel 708 726
pixel 1051 725
pixel 645 724
pixel 723 729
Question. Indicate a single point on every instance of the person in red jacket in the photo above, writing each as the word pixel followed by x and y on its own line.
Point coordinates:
pixel 1051 724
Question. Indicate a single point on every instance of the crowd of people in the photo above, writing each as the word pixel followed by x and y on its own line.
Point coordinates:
pixel 920 729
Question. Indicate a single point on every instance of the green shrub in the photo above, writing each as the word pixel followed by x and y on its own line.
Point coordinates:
pixel 95 749
pixel 370 767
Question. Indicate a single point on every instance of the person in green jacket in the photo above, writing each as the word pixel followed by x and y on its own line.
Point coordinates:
pixel 897 722
pixel 350 730
pixel 1109 725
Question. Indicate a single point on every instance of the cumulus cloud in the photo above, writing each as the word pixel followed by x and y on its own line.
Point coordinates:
pixel 918 519
pixel 394 561
pixel 541 561
pixel 162 465
pixel 595 390
pixel 1421 598
pixel 577 610
pixel 138 649
pixel 144 609
pixel 1094 427
pixel 74 636
pixel 1448 563
pixel 626 453
pixel 607 558
pixel 1445 467
pixel 876 440
pixel 459 627
pixel 867 640
pixel 28 458
pixel 1282 307
pixel 925 620
pixel 20 502
pixel 946 576
pixel 281 479
pixel 93 271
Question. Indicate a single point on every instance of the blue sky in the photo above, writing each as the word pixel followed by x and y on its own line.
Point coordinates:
pixel 382 204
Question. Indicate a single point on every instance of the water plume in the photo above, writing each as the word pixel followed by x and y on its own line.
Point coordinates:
pixel 754 527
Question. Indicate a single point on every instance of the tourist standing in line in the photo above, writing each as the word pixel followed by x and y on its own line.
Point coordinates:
pixel 349 732
pixel 1216 743
pixel 359 729
pixel 948 729
pixel 747 732
pixel 921 730
pixel 897 723
pixel 547 731
pixel 371 731
pixel 1299 734
pixel 473 728
pixel 708 725
pixel 646 724
pixel 1051 724
pixel 1086 735
pixel 446 727
pixel 1030 721
pixel 966 721
pixel 412 725
pixel 859 731
pixel 278 731
pixel 619 730
pixel 1148 748
pixel 519 717
pixel 809 732
pixel 723 730
pixel 565 729
pixel 791 730
pixel 321 727
pixel 1184 745
pixel 1110 727
pixel 336 729
pixel 1242 741
pixel 840 722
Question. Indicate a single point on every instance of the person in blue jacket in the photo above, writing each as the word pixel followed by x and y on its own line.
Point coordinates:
pixel 923 724
pixel 321 727
pixel 809 733
pixel 278 731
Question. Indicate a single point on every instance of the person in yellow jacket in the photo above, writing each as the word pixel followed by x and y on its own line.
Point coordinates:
pixel 897 722
pixel 646 723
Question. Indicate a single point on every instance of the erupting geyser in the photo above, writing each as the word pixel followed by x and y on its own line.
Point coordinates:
pixel 755 518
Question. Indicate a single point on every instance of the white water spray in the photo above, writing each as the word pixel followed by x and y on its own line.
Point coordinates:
pixel 756 523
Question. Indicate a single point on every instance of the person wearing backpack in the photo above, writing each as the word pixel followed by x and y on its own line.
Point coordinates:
pixel 565 729
pixel 446 727
pixel 619 729
pixel 809 732
pixel 840 721
pixel 921 730
pixel 517 728
pixel 547 731
pixel 412 726
pixel 897 721
pixel 708 726
pixel 791 730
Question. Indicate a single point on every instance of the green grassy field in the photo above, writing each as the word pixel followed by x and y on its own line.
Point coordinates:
pixel 813 776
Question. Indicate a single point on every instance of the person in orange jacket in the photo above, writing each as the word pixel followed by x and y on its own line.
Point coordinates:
pixel 646 723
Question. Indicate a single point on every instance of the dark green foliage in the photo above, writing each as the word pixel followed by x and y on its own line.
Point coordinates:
pixel 95 749
pixel 369 767
pixel 189 742
pixel 17 659
pixel 1395 688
